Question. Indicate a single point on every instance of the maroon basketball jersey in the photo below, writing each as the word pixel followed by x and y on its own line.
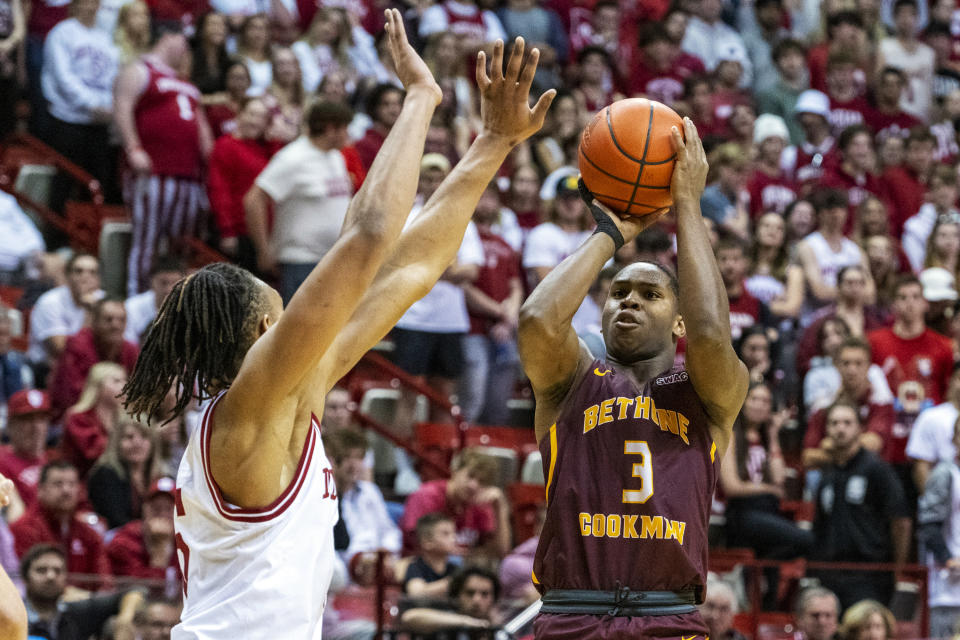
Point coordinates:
pixel 630 474
pixel 166 116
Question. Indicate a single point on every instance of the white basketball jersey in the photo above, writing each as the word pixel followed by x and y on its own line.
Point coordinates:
pixel 254 573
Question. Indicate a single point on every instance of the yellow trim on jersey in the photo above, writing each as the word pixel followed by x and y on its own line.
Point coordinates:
pixel 534 576
pixel 713 451
pixel 553 457
pixel 596 371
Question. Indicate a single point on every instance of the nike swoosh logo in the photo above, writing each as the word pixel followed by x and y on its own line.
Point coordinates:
pixel 688 637
pixel 601 374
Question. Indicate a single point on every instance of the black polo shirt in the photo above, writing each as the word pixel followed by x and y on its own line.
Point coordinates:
pixel 856 503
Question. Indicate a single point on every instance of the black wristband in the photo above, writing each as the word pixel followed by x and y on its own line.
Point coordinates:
pixel 604 223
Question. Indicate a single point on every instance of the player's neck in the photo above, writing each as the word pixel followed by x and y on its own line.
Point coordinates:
pixel 644 370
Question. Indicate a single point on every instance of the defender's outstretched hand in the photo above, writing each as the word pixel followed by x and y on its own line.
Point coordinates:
pixel 505 97
pixel 690 172
pixel 410 67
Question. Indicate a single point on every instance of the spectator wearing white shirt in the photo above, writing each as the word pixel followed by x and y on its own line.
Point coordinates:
pixel 362 507
pixel 707 36
pixel 61 312
pixel 931 438
pixel 20 242
pixel 475 26
pixel 253 47
pixel 310 185
pixel 142 308
pixel 569 226
pixel 939 209
pixel 80 63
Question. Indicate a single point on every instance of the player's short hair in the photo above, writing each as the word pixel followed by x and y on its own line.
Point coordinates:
pixel 325 113
pixel 810 593
pixel 54 465
pixel 480 465
pixel 35 552
pixel 427 523
pixel 855 342
pixel 340 443
pixel 459 579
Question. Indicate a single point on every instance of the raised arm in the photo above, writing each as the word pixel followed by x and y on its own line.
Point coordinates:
pixel 718 376
pixel 328 297
pixel 550 351
pixel 428 246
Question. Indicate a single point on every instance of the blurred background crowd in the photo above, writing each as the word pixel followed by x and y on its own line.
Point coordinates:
pixel 246 126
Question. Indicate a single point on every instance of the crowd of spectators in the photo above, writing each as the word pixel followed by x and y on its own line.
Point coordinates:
pixel 832 133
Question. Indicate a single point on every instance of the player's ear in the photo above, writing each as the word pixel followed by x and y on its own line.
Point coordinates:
pixel 679 329
pixel 265 323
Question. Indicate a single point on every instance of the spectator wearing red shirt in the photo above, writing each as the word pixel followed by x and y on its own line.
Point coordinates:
pixel 236 161
pixel 54 520
pixel 383 107
pixel 493 301
pixel 845 33
pixel 478 508
pixel 847 104
pixel 102 341
pixel 807 161
pixel 28 421
pixel 855 174
pixel 145 548
pixel 222 108
pixel 660 67
pixel 888 119
pixel 907 184
pixel 874 406
pixel 916 359
pixel 745 310
pixel 769 187
pixel 89 422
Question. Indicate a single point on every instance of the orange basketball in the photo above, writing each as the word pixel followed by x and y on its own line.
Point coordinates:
pixel 626 158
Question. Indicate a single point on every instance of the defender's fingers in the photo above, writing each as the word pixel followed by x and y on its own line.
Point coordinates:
pixel 496 65
pixel 399 26
pixel 483 80
pixel 543 105
pixel 530 68
pixel 516 60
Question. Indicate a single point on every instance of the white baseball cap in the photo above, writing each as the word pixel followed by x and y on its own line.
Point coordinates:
pixel 813 101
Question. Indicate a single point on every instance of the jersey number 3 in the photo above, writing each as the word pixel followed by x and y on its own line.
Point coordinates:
pixel 642 468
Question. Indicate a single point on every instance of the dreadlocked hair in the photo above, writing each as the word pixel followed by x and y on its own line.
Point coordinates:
pixel 198 341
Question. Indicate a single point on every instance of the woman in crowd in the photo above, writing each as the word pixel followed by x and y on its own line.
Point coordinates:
pixel 867 620
pixel 89 423
pixel 122 474
pixel 801 222
pixel 442 54
pixel 524 197
pixel 325 47
pixel 285 98
pixel 222 108
pixel 752 476
pixel 236 161
pixel 773 279
pixel 564 123
pixel 885 269
pixel 253 47
pixel 132 33
pixel 210 58
pixel 943 245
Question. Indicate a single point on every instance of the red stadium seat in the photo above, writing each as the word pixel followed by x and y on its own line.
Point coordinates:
pixel 436 441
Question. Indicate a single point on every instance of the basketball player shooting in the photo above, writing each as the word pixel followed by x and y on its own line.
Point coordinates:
pixel 255 498
pixel 632 445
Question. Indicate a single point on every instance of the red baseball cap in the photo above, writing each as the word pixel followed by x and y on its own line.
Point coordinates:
pixel 28 401
pixel 161 486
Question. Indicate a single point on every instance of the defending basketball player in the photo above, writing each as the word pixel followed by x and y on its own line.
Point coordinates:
pixel 632 445
pixel 255 496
